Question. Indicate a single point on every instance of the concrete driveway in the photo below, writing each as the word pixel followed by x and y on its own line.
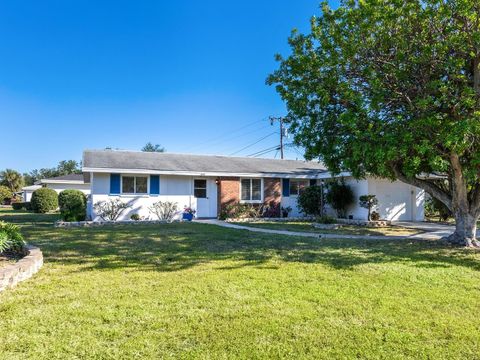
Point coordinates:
pixel 429 227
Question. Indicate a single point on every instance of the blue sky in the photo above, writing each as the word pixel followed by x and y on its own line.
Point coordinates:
pixel 189 75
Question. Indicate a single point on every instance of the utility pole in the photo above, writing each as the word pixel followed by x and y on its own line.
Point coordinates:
pixel 282 131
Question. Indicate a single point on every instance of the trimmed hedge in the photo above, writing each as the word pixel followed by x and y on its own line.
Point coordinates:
pixel 73 205
pixel 44 200
pixel 20 205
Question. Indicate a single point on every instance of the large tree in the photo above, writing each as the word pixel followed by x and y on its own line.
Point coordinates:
pixel 391 88
pixel 11 179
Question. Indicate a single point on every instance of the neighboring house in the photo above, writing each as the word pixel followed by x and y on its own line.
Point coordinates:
pixel 59 183
pixel 207 183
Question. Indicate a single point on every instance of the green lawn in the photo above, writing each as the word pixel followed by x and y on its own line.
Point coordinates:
pixel 200 291
pixel 305 226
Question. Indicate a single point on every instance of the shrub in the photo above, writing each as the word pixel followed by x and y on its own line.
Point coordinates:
pixel 5 194
pixel 11 240
pixel 44 200
pixel 135 217
pixel 434 207
pixel 239 211
pixel 73 205
pixel 340 197
pixel 325 220
pixel 18 206
pixel 368 202
pixel 310 201
pixel 110 210
pixel 164 210
pixel 375 216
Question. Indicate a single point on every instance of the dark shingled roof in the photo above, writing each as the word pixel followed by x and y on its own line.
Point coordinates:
pixel 134 160
pixel 69 177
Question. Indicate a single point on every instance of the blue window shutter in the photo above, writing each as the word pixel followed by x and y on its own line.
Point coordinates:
pixel 313 182
pixel 154 184
pixel 114 183
pixel 286 187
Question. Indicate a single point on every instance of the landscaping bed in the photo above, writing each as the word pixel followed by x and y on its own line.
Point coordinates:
pixel 333 228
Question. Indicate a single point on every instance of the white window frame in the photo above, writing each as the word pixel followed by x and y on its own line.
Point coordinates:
pixel 297 180
pixel 134 185
pixel 251 201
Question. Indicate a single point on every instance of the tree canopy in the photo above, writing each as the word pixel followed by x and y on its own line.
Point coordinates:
pixel 64 167
pixel 149 147
pixel 11 179
pixel 392 89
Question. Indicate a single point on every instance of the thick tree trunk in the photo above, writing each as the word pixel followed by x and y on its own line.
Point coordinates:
pixel 465 230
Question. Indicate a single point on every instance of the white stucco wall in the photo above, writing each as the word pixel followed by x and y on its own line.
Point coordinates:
pixel 178 189
pixel 397 201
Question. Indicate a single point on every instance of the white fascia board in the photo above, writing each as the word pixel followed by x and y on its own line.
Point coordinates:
pixel 194 173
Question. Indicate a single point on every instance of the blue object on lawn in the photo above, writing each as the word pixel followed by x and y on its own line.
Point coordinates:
pixel 187 216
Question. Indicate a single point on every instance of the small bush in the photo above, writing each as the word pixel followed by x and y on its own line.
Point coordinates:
pixel 11 240
pixel 44 200
pixel 434 208
pixel 375 216
pixel 310 201
pixel 164 210
pixel 73 205
pixel 110 210
pixel 18 206
pixel 368 202
pixel 340 197
pixel 5 194
pixel 325 220
pixel 135 217
pixel 240 211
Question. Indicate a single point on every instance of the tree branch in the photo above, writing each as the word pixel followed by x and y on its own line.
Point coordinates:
pixel 428 186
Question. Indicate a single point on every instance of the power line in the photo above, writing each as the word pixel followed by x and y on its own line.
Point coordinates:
pixel 222 136
pixel 264 151
pixel 254 143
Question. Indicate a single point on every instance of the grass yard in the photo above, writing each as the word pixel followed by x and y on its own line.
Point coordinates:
pixel 344 230
pixel 201 291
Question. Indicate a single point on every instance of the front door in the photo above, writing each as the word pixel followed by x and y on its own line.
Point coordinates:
pixel 204 191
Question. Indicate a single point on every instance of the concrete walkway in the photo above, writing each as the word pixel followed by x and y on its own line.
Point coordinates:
pixel 430 227
pixel 433 235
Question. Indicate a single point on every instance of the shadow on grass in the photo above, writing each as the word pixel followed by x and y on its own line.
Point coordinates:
pixel 182 246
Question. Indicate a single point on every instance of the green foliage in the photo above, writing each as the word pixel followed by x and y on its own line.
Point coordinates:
pixel 20 205
pixel 325 220
pixel 340 196
pixel 44 200
pixel 240 211
pixel 11 179
pixel 375 216
pixel 73 205
pixel 149 147
pixel 135 217
pixel 368 202
pixel 5 193
pixel 11 239
pixel 64 167
pixel 435 208
pixel 310 200
pixel 390 88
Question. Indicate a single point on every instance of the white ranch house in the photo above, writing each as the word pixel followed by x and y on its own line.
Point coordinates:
pixel 59 183
pixel 206 183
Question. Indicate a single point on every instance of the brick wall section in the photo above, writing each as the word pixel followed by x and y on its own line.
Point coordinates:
pixel 272 189
pixel 228 191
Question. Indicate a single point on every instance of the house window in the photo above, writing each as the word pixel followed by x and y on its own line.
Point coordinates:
pixel 297 186
pixel 134 185
pixel 251 190
pixel 200 188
